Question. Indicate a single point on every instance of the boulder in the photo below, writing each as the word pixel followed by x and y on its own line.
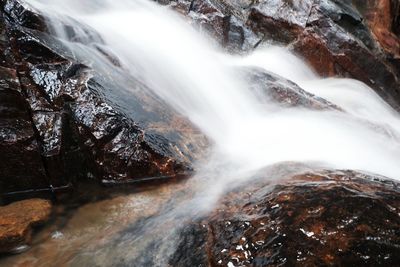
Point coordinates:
pixel 271 87
pixel 17 220
pixel 337 38
pixel 79 122
pixel 21 166
pixel 318 218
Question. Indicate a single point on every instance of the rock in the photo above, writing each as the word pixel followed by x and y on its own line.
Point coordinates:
pixel 269 87
pixel 85 122
pixel 17 221
pixel 337 38
pixel 326 218
pixel 350 51
pixel 218 19
pixel 21 166
pixel 334 40
pixel 383 20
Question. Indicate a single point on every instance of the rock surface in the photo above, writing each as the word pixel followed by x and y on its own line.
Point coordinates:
pixel 21 166
pixel 75 234
pixel 65 122
pixel 337 38
pixel 17 220
pixel 327 218
pixel 270 87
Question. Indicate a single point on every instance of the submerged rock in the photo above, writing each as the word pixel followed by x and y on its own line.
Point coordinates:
pixel 327 218
pixel 17 220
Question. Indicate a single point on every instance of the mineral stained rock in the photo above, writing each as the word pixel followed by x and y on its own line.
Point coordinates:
pixel 326 218
pixel 17 220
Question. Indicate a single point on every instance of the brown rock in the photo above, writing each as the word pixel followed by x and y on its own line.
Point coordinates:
pixel 327 218
pixel 21 167
pixel 17 220
pixel 382 17
pixel 337 38
pixel 77 122
pixel 333 38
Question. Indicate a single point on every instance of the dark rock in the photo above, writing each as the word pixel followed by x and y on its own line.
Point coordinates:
pixel 271 87
pixel 327 218
pixel 395 8
pixel 23 14
pixel 21 166
pixel 17 220
pixel 382 18
pixel 337 38
pixel 332 37
pixel 84 122
pixel 224 23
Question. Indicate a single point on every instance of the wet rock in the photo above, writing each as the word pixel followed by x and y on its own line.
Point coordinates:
pixel 337 38
pixel 84 122
pixel 333 38
pixel 20 161
pixel 219 20
pixel 326 218
pixel 17 220
pixel 382 17
pixel 23 14
pixel 21 166
pixel 269 87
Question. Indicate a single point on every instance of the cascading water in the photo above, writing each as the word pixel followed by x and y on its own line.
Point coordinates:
pixel 195 78
pixel 191 74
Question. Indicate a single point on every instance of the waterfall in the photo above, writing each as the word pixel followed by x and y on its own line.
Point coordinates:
pixel 197 78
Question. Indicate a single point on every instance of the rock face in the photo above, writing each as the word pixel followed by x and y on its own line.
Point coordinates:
pixel 20 163
pixel 383 19
pixel 327 218
pixel 17 220
pixel 337 38
pixel 273 88
pixel 63 121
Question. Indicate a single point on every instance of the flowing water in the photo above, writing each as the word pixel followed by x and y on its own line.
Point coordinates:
pixel 192 74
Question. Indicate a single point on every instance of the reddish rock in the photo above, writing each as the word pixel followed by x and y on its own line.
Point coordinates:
pixel 383 18
pixel 333 38
pixel 17 220
pixel 327 218
pixel 337 38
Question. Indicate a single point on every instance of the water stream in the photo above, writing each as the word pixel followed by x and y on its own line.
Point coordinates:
pixel 198 79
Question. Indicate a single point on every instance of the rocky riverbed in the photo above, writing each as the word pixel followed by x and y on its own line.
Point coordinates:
pixel 75 128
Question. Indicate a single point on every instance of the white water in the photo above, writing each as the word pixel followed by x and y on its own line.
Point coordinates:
pixel 194 76
pixel 182 67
